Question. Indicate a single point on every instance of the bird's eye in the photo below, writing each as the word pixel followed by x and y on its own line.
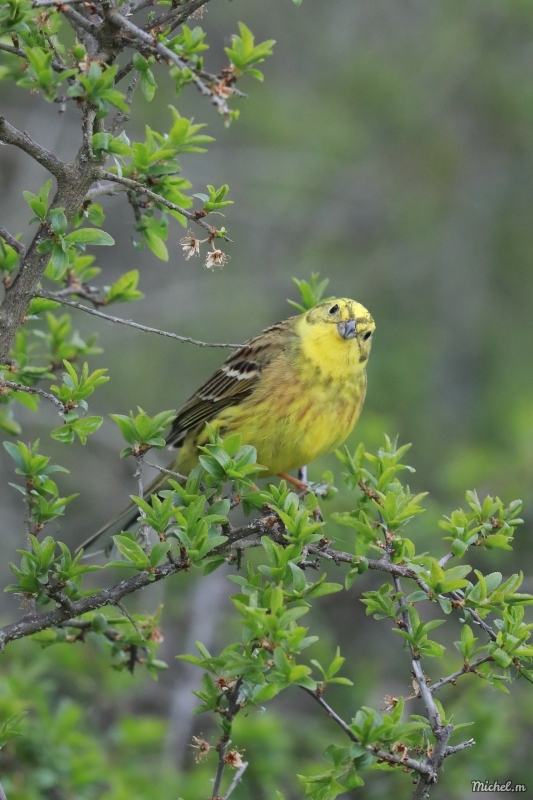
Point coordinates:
pixel 333 309
pixel 367 336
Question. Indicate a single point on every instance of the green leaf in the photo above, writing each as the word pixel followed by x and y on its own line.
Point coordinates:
pixel 131 551
pixel 92 236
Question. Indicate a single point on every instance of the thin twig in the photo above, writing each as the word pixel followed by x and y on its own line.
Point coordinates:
pixel 458 747
pixel 130 323
pixel 142 533
pixel 475 616
pixel 140 5
pixel 41 3
pixel 157 46
pixel 237 778
pixel 142 189
pixel 463 671
pixel 390 758
pixel 78 21
pixel 169 472
pixel 233 709
pixel 18 51
pixel 98 191
pixel 121 117
pixel 19 387
pixel 86 626
pixel 431 707
pixel 11 241
pixel 444 560
pixel 128 616
pixel 175 17
pixel 440 731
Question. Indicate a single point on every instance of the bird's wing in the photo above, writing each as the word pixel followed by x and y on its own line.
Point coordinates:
pixel 233 382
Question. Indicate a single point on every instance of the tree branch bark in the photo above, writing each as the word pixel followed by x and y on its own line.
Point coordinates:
pixel 175 17
pixel 11 241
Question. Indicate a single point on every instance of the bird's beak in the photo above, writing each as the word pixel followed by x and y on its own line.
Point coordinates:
pixel 348 330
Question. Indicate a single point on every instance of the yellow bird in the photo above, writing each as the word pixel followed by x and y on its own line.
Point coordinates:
pixel 294 392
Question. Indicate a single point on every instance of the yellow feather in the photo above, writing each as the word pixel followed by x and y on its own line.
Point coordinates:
pixel 307 399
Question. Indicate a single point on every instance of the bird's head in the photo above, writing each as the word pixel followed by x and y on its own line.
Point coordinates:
pixel 343 322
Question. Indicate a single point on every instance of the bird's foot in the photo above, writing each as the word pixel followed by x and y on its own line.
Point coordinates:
pixel 302 486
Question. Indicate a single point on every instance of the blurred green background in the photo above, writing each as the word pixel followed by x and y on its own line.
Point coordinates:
pixel 391 149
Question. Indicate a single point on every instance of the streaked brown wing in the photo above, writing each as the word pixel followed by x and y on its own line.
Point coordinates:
pixel 232 383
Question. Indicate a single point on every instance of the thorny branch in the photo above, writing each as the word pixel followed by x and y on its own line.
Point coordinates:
pixel 131 323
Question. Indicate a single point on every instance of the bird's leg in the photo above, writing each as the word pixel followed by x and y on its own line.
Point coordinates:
pixel 302 486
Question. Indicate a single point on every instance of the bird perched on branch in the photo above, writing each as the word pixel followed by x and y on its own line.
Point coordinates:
pixel 294 392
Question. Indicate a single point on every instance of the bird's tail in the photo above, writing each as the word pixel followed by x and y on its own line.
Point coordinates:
pixel 123 521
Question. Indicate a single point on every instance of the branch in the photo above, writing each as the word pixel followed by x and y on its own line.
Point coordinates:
pixel 86 626
pixel 175 17
pixel 33 623
pixel 139 6
pixel 121 22
pixel 463 671
pixel 237 778
pixel 10 135
pixel 143 527
pixel 19 387
pixel 444 560
pixel 79 21
pixel 11 241
pixel 458 747
pixel 18 51
pixel 390 758
pixel 233 708
pixel 431 707
pixel 2 793
pixel 441 732
pixel 41 3
pixel 475 616
pixel 130 323
pixel 142 189
pixel 169 472
pixel 98 191
pixel 121 116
